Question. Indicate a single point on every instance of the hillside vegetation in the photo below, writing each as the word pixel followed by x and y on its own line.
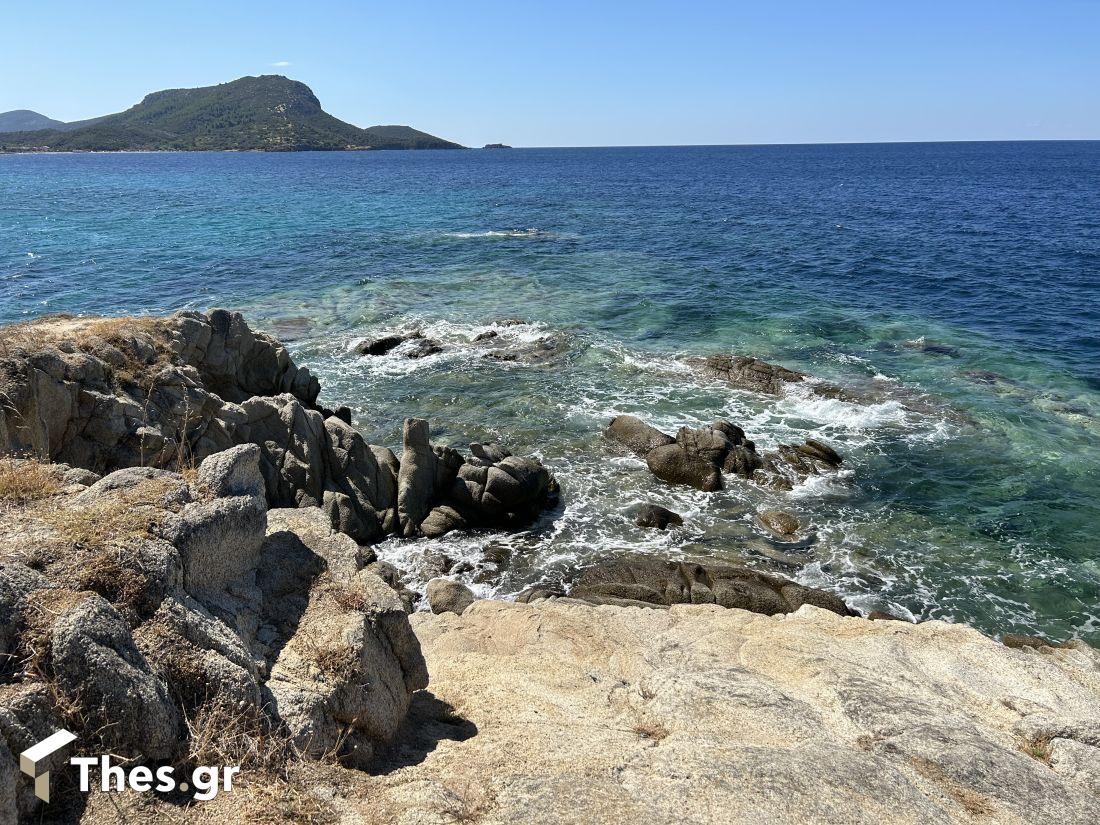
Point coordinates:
pixel 269 113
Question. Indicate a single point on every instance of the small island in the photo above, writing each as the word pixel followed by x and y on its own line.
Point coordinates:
pixel 496 146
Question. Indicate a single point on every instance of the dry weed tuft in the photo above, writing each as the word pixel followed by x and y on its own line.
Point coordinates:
pixel 25 480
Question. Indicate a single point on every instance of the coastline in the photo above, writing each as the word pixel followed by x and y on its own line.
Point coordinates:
pixel 591 687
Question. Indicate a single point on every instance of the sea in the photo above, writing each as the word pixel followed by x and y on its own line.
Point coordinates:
pixel 954 286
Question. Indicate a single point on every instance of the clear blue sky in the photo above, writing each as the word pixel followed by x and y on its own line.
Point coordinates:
pixel 568 73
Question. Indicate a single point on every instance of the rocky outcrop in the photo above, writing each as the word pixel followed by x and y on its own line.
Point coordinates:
pixel 699 457
pixel 137 607
pixel 637 436
pixel 439 490
pixel 748 373
pixel 641 581
pixel 744 372
pixel 103 394
pixel 696 714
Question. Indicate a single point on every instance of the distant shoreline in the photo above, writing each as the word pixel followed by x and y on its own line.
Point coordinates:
pixel 41 151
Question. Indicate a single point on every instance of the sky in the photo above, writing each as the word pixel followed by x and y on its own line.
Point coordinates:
pixel 590 73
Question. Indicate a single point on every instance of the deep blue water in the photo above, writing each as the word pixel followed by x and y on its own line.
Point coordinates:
pixel 973 478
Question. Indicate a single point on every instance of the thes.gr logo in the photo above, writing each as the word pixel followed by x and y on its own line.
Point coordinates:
pixel 32 761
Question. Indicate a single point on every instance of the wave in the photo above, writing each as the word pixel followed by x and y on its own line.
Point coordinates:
pixel 501 233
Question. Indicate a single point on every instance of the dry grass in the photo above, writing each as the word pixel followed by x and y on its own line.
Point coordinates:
pixel 90 335
pixel 219 735
pixel 345 599
pixel 116 522
pixel 23 481
pixel 973 802
pixel 651 731
pixel 269 789
pixel 1040 750
pixel 118 330
pixel 468 805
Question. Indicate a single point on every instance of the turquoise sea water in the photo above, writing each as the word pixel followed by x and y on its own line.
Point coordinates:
pixel 958 285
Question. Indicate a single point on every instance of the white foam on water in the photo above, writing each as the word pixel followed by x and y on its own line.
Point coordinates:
pixel 458 342
pixel 500 233
pixel 801 402
pixel 832 486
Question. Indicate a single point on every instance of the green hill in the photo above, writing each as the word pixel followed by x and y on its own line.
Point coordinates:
pixel 270 113
pixel 22 120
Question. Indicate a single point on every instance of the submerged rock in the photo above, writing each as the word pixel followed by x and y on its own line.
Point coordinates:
pixel 748 373
pixel 932 348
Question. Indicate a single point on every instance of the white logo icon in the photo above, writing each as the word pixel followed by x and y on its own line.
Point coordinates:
pixel 31 761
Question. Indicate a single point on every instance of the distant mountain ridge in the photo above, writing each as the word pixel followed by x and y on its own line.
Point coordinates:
pixel 24 120
pixel 266 113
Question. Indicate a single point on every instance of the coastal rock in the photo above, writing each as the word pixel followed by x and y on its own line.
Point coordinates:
pixel 107 394
pixel 698 456
pixel 97 666
pixel 747 373
pixel 17 582
pixel 653 515
pixel 674 464
pixel 159 602
pixel 815 717
pixel 637 436
pixel 380 346
pixel 648 582
pixel 531 352
pixel 779 522
pixel 446 596
pixel 422 348
pixel 344 680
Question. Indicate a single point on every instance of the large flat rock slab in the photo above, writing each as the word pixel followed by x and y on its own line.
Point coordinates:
pixel 563 712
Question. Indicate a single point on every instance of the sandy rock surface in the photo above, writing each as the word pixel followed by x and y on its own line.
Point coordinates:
pixel 561 712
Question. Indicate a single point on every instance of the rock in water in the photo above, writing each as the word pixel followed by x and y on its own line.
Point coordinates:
pixel 821 451
pixel 446 596
pixel 674 464
pixel 423 348
pixel 747 373
pixel 698 456
pixel 380 346
pixel 779 522
pixel 649 582
pixel 636 435
pixel 653 515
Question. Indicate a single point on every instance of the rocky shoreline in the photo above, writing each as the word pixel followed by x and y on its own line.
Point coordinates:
pixel 186 535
